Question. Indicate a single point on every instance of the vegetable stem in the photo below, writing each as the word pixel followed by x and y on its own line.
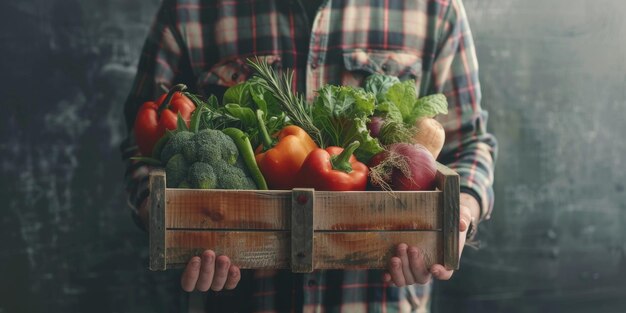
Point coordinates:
pixel 341 162
pixel 196 116
pixel 268 143
pixel 170 94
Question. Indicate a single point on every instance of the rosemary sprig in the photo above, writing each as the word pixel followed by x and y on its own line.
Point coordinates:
pixel 293 104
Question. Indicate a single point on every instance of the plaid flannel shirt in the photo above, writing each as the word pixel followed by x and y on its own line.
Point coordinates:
pixel 205 44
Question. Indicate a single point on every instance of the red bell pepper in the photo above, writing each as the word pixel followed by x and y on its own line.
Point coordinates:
pixel 333 169
pixel 154 117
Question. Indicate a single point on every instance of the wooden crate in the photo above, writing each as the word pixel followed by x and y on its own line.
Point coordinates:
pixel 303 229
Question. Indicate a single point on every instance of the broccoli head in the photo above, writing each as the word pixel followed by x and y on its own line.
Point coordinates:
pixel 205 160
pixel 175 144
pixel 232 177
pixel 211 145
pixel 202 176
pixel 176 170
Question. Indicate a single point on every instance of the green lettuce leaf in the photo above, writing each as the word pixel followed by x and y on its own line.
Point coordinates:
pixel 404 96
pixel 379 84
pixel 430 106
pixel 238 94
pixel 341 114
pixel 389 111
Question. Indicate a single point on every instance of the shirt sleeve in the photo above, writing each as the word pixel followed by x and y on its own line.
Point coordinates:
pixel 160 65
pixel 469 149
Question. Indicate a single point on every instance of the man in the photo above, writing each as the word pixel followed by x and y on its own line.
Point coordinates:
pixel 204 44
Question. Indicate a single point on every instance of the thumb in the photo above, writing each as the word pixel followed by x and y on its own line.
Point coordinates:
pixel 465 218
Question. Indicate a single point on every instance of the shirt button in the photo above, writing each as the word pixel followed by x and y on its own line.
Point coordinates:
pixel 312 283
pixel 313 65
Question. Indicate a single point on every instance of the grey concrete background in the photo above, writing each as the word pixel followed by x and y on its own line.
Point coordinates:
pixel 553 75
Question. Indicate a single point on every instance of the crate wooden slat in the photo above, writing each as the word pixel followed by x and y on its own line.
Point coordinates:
pixel 247 249
pixel 369 249
pixel 338 230
pixel 228 209
pixel 271 249
pixel 213 209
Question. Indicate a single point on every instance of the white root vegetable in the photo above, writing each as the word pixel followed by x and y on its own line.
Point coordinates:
pixel 430 134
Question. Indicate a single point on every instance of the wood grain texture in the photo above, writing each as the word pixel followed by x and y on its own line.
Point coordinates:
pixel 448 181
pixel 271 250
pixel 302 217
pixel 228 209
pixel 246 249
pixel 354 250
pixel 374 210
pixel 156 205
pixel 270 210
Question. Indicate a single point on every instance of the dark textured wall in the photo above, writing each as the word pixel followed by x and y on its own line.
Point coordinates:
pixel 68 242
pixel 553 75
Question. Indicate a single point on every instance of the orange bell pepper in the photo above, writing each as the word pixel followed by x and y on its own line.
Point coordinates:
pixel 279 160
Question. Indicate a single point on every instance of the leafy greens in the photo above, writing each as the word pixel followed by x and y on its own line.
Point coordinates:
pixel 341 114
pixel 399 102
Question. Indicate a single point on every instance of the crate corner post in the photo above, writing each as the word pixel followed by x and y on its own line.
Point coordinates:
pixel 156 220
pixel 448 182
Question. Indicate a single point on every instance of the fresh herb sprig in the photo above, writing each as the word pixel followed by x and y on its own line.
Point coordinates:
pixel 293 104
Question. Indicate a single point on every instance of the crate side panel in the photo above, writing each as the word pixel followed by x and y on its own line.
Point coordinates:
pixel 228 209
pixel 346 250
pixel 336 211
pixel 246 249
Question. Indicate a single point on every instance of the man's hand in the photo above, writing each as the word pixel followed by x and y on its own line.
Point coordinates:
pixel 408 266
pixel 208 272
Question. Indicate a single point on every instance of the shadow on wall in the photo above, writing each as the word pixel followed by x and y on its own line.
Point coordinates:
pixel 69 240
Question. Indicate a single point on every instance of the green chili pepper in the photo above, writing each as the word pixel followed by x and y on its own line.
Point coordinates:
pixel 245 149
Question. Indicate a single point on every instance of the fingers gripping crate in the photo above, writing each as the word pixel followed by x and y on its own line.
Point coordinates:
pixel 303 229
